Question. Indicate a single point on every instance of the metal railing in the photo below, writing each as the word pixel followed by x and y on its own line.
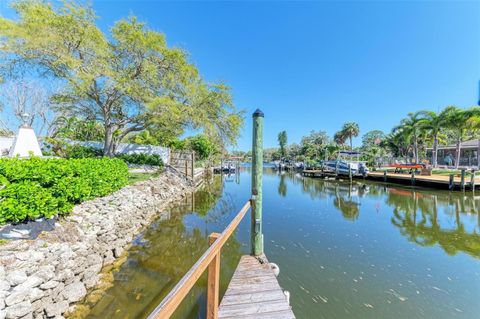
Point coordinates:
pixel 211 260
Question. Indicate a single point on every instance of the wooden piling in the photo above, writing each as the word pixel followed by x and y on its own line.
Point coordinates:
pixel 257 173
pixel 213 283
pixel 462 180
pixel 412 178
pixel 450 182
pixel 384 176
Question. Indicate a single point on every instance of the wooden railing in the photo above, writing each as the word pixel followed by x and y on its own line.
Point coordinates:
pixel 211 260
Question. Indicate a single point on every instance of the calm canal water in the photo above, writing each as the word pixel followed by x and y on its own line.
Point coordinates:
pixel 345 251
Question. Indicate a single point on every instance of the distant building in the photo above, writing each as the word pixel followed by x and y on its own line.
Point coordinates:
pixel 468 153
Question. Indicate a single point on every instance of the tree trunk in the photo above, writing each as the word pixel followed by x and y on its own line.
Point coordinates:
pixel 108 143
pixel 415 149
pixel 435 151
pixel 457 153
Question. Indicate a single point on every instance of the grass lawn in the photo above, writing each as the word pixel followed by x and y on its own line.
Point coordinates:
pixel 138 177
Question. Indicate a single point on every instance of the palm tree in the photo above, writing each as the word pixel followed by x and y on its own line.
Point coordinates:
pixel 350 130
pixel 411 126
pixel 339 138
pixel 458 121
pixel 433 122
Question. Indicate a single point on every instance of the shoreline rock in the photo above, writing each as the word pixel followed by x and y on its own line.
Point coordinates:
pixel 46 277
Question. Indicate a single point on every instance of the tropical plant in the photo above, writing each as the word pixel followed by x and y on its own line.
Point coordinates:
pixel 457 120
pixel 433 123
pixel 410 127
pixel 350 130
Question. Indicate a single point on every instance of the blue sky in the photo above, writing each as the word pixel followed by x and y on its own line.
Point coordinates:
pixel 315 65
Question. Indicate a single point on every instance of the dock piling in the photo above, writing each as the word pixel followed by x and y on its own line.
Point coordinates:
pixel 450 182
pixel 257 172
pixel 413 177
pixel 385 176
pixel 462 180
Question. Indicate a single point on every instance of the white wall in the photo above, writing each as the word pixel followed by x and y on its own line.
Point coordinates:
pixel 5 144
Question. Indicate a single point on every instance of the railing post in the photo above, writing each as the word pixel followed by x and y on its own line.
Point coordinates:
pixel 257 173
pixel 213 283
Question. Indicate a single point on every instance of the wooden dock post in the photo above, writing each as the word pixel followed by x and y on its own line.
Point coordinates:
pixel 412 178
pixel 350 177
pixel 450 182
pixel 462 180
pixel 213 282
pixel 257 173
pixel 384 176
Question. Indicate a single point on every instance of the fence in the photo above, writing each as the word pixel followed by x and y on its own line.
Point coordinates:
pixel 183 161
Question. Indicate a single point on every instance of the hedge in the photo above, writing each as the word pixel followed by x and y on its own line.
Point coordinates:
pixel 33 188
pixel 142 159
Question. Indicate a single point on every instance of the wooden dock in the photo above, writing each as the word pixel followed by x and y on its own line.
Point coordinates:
pixel 433 181
pixel 254 292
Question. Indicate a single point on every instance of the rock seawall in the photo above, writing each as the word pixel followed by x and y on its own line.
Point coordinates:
pixel 44 278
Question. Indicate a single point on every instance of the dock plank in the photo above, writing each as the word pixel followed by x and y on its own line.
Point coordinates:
pixel 254 292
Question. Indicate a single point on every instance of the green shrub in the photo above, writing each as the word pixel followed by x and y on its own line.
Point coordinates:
pixel 79 151
pixel 33 188
pixel 142 159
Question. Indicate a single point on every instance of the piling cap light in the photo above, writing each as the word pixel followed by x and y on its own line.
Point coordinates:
pixel 258 113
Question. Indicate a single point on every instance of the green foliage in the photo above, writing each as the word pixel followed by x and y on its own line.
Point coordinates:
pixel 282 142
pixel 80 151
pixel 372 139
pixel 77 129
pixel 203 146
pixel 142 159
pixel 33 188
pixel 128 80
pixel 350 130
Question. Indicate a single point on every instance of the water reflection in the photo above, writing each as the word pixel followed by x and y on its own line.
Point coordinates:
pixel 165 252
pixel 418 213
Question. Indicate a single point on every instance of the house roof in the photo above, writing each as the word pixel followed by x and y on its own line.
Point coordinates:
pixel 472 144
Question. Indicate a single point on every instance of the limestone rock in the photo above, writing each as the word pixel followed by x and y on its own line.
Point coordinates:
pixel 18 310
pixel 16 277
pixel 56 309
pixel 74 292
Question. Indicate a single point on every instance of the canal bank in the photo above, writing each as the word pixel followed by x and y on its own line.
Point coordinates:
pixel 46 277
pixel 360 250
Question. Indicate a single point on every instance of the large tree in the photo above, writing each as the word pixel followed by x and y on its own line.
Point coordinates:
pixel 350 130
pixel 411 126
pixel 128 80
pixel 458 121
pixel 282 142
pixel 434 123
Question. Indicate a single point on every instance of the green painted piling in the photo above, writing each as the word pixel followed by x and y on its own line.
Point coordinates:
pixel 257 172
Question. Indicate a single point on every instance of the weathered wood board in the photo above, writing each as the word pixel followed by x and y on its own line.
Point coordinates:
pixel 254 292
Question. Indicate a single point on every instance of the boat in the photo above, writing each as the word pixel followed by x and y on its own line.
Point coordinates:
pixel 343 166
